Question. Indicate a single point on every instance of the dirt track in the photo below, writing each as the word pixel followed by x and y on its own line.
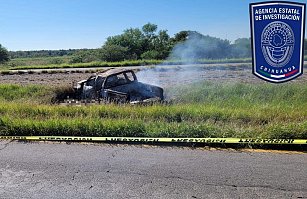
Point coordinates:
pixel 163 76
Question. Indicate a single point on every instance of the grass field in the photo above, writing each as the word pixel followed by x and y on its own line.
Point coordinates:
pixel 63 62
pixel 199 110
pixel 38 61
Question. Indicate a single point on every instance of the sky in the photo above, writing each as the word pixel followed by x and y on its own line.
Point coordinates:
pixel 75 24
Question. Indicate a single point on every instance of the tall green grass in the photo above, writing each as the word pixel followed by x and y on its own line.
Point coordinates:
pixel 125 63
pixel 38 61
pixel 198 110
pixel 25 94
pixel 63 62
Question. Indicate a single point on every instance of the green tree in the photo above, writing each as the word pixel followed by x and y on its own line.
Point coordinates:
pixel 241 48
pixel 112 52
pixel 151 54
pixel 180 36
pixel 4 54
pixel 160 46
pixel 145 43
pixel 149 30
pixel 133 39
pixel 43 53
pixel 198 46
pixel 84 56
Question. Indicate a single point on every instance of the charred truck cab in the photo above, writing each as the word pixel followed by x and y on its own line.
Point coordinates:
pixel 117 85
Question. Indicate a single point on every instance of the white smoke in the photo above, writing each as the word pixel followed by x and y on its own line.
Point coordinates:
pixel 194 48
pixel 168 75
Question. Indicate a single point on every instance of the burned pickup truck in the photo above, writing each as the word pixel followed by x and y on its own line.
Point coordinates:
pixel 117 85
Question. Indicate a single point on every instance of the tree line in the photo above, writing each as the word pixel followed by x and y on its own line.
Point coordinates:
pixel 41 53
pixel 148 42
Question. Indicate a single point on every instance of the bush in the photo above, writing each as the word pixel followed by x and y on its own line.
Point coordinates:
pixel 56 61
pixel 84 56
pixel 112 53
pixel 4 55
pixel 152 54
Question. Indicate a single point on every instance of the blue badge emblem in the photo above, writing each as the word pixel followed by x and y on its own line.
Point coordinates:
pixel 277 30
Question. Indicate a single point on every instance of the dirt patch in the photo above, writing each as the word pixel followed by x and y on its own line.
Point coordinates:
pixel 55 79
pixel 219 74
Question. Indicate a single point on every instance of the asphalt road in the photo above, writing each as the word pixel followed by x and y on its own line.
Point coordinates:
pixel 60 170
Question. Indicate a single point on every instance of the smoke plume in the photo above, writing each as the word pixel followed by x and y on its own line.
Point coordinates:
pixel 195 47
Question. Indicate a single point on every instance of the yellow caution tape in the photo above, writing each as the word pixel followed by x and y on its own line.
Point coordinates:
pixel 157 140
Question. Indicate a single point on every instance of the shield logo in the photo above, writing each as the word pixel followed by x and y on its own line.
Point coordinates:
pixel 277 32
